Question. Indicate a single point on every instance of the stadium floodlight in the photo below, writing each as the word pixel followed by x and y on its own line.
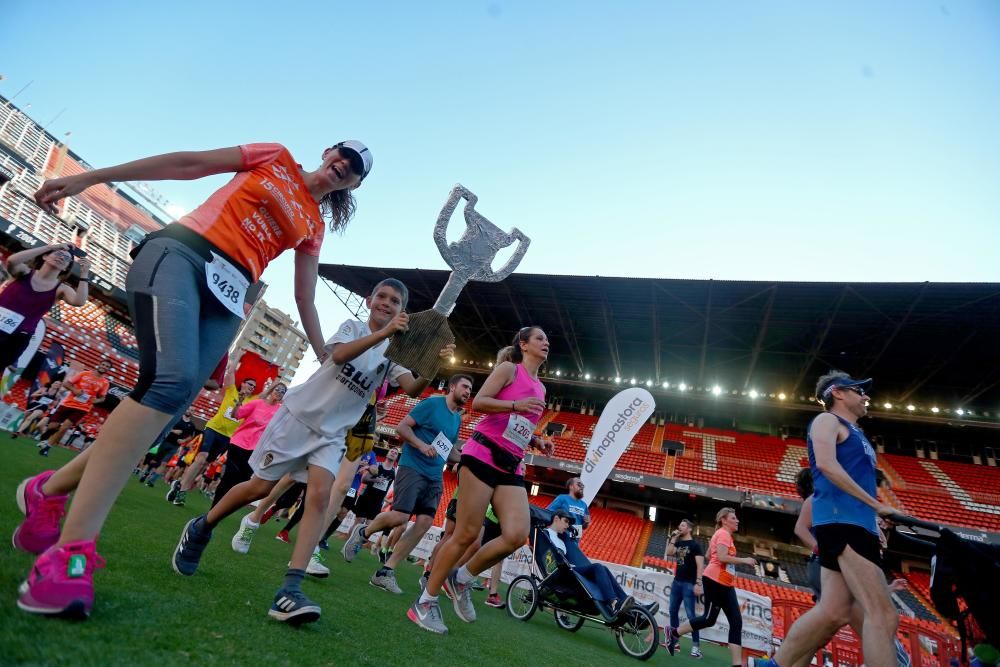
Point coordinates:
pixel 935 410
pixel 682 386
pixel 652 513
pixel 491 364
pixel 618 380
pixel 887 406
pixel 587 376
pixel 649 383
pixel 632 380
pixel 452 360
pixel 753 393
pixel 558 373
pixel 666 385
pixel 782 396
pixel 716 390
pixel 911 407
pixel 960 412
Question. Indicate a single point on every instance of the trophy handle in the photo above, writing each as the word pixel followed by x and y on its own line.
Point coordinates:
pixel 515 259
pixel 441 227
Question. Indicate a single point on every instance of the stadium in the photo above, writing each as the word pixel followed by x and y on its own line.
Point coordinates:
pixel 732 366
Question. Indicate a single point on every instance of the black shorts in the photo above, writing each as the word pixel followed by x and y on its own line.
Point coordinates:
pixel 213 443
pixel 489 475
pixel 415 493
pixel 833 538
pixel 451 510
pixel 66 413
pixel 349 501
pixel 369 505
pixel 491 531
pixel 12 346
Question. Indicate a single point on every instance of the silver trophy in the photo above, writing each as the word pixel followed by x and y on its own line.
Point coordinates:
pixel 470 258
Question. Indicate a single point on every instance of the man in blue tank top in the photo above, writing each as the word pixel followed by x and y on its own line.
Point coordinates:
pixel 845 512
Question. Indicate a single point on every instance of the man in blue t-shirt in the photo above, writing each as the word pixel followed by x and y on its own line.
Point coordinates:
pixel 572 503
pixel 428 433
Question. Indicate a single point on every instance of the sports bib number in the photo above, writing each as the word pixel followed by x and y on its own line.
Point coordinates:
pixel 382 483
pixel 519 431
pixel 443 445
pixel 229 414
pixel 9 320
pixel 351 492
pixel 227 284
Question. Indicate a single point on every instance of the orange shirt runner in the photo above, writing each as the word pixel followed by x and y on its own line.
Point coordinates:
pixel 263 211
pixel 92 385
pixel 716 570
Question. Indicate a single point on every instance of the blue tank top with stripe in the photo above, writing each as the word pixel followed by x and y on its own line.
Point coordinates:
pixel 833 505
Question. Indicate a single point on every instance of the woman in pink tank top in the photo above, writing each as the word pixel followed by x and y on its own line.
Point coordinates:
pixel 492 472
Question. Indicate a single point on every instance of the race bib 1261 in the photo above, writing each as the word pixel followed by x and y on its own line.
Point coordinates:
pixel 227 284
pixel 519 431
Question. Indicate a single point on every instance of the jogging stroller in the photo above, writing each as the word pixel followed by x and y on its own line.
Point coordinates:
pixel 965 577
pixel 553 584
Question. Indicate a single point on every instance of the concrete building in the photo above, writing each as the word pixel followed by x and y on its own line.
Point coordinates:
pixel 275 336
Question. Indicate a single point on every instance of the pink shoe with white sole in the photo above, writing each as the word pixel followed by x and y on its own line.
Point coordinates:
pixel 42 515
pixel 61 581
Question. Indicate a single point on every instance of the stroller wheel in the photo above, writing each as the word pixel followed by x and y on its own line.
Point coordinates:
pixel 522 598
pixel 567 621
pixel 638 636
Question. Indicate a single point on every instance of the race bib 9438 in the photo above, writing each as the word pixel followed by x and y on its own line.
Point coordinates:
pixel 227 284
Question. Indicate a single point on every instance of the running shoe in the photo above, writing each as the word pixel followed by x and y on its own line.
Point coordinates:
pixel 386 581
pixel 175 487
pixel 180 498
pixel 673 641
pixel 383 556
pixel 44 451
pixel 423 580
pixel 142 477
pixel 652 607
pixel 316 568
pixel 62 581
pixel 428 616
pixel 268 513
pixel 354 542
pixel 150 483
pixel 477 584
pixel 191 546
pixel 282 536
pixel 42 515
pixel 696 652
pixel 244 536
pixel 292 606
pixel 323 545
pixel 461 597
pixel 494 600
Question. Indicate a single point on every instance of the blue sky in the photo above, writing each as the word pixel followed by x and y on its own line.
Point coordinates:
pixel 752 141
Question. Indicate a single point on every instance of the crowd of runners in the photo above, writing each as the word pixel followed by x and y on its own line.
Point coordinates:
pixel 307 451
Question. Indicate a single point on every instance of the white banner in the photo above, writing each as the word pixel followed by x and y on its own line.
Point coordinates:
pixel 622 418
pixel 427 543
pixel 648 586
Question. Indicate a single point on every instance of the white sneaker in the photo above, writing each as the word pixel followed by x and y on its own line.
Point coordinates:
pixel 316 568
pixel 244 536
pixel 696 652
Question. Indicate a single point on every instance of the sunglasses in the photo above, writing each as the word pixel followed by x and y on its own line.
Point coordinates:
pixel 857 390
pixel 352 157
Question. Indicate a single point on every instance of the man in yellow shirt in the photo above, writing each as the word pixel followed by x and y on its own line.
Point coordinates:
pixel 218 430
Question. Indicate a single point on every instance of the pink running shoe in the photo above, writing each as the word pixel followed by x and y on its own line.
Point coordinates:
pixel 42 514
pixel 62 581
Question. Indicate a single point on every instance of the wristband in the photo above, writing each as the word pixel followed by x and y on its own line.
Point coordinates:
pixel 84 280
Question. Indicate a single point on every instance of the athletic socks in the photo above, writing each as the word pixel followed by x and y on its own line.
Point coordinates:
pixel 334 525
pixel 293 578
pixel 463 576
pixel 424 597
pixel 382 571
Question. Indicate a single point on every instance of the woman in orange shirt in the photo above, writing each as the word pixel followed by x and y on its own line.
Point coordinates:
pixel 719 584
pixel 186 290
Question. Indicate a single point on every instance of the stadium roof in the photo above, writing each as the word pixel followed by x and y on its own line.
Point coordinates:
pixel 933 344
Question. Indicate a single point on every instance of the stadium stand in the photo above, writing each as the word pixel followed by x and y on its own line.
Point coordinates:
pixel 955 493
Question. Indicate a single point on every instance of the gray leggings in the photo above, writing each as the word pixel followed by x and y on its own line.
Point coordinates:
pixel 181 328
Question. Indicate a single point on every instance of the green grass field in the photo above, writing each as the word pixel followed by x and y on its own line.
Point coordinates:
pixel 146 614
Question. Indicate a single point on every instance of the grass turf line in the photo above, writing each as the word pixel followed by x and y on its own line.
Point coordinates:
pixel 147 614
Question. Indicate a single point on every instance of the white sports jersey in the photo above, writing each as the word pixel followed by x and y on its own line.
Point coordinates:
pixel 333 400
